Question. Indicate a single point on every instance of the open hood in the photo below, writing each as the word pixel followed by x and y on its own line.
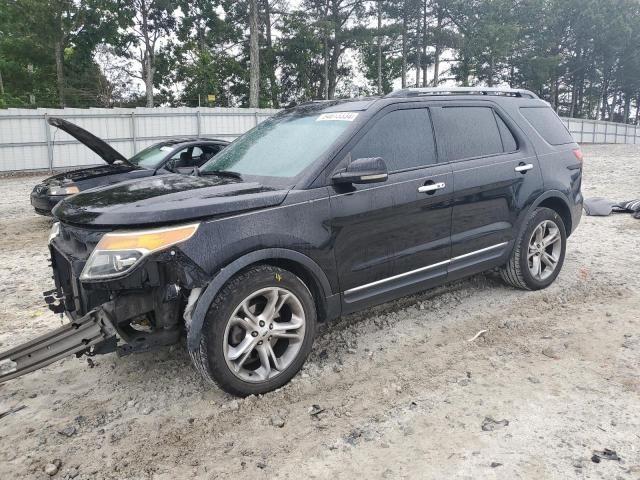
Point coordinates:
pixel 105 151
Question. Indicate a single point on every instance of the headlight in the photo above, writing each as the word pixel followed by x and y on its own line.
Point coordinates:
pixel 70 190
pixel 118 252
pixel 54 232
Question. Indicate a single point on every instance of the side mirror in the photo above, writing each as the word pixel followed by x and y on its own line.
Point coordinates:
pixel 362 170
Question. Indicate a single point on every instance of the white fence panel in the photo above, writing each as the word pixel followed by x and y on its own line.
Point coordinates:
pixel 27 142
pixel 595 131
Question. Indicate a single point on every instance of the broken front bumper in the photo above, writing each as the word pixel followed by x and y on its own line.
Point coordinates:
pixel 76 337
pixel 107 316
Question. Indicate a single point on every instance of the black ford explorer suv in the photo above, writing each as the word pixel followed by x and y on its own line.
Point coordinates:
pixel 173 155
pixel 322 210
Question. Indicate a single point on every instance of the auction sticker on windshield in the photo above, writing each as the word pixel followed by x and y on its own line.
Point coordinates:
pixel 344 116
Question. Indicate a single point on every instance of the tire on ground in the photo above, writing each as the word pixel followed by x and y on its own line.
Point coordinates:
pixel 209 358
pixel 516 272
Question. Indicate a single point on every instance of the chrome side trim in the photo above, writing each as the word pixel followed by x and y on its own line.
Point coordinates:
pixel 460 257
pixel 395 277
pixel 423 269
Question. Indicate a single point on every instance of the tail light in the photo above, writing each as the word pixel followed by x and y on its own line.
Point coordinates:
pixel 578 154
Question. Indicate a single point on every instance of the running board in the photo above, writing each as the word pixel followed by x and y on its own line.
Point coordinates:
pixel 74 337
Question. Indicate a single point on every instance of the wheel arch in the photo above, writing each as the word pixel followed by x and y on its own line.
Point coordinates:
pixel 327 304
pixel 556 201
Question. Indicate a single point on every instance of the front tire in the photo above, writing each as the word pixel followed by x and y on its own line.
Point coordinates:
pixel 538 255
pixel 258 331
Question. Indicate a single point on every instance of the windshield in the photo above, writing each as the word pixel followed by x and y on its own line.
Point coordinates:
pixel 282 146
pixel 151 156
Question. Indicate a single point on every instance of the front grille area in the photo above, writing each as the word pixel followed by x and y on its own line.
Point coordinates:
pixel 78 242
pixel 69 253
pixel 65 280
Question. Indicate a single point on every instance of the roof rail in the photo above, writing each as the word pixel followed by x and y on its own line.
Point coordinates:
pixel 501 92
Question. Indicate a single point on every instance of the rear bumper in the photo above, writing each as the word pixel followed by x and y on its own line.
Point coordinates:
pixel 576 212
pixel 43 204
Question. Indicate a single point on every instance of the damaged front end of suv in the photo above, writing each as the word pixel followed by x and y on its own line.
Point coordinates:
pixel 143 263
pixel 123 264
pixel 130 285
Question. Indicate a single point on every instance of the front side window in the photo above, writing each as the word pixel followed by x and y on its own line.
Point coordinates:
pixel 402 138
pixel 282 146
pixel 467 132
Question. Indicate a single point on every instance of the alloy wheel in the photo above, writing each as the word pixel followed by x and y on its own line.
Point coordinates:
pixel 264 334
pixel 545 248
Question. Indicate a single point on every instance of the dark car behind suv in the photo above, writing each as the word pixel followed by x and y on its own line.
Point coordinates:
pixel 173 155
pixel 322 210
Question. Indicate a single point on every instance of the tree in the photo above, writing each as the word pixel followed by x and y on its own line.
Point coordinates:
pixel 202 58
pixel 580 55
pixel 301 54
pixel 254 55
pixel 151 21
pixel 42 39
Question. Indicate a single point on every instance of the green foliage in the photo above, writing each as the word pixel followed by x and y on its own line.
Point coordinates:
pixel 581 55
pixel 35 34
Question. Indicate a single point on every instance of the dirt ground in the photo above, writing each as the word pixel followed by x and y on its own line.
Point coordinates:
pixel 397 391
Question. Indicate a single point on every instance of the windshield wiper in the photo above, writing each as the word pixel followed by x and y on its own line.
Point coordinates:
pixel 221 173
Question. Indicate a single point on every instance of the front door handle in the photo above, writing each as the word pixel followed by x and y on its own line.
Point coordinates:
pixel 522 168
pixel 431 187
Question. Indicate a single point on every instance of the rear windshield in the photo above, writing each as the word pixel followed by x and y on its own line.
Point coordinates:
pixel 547 124
pixel 282 146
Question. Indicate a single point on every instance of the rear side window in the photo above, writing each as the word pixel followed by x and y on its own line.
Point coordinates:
pixel 547 124
pixel 403 138
pixel 467 132
pixel 509 143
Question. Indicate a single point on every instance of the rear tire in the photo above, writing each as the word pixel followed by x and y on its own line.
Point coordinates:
pixel 258 332
pixel 538 254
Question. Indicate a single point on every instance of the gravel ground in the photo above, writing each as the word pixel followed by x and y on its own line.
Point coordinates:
pixel 396 391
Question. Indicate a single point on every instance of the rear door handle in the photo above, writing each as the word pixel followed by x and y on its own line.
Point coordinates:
pixel 431 187
pixel 524 167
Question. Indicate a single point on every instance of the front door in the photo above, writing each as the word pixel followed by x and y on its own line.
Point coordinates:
pixel 392 238
pixel 494 169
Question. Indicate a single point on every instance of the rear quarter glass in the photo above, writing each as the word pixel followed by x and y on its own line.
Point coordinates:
pixel 545 121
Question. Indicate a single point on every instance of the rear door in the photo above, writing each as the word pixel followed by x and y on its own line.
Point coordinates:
pixel 392 238
pixel 495 171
